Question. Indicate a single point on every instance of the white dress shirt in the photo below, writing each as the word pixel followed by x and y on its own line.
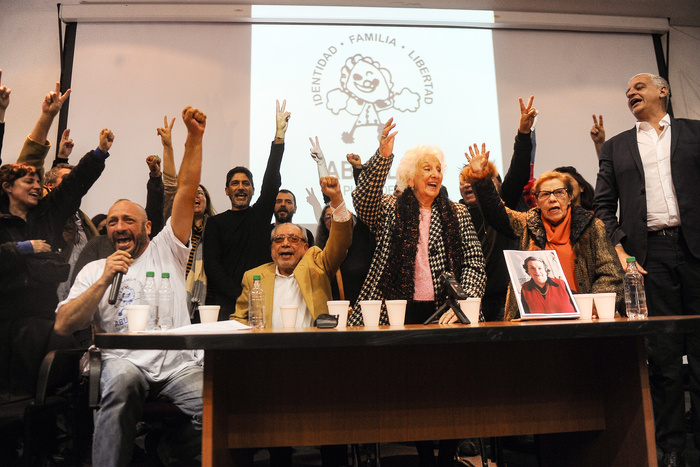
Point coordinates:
pixel 287 291
pixel 655 150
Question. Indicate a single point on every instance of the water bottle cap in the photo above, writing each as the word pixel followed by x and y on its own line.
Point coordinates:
pixel 631 259
pixel 165 275
pixel 256 277
pixel 150 274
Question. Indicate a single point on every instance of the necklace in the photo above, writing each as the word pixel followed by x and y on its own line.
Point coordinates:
pixel 543 290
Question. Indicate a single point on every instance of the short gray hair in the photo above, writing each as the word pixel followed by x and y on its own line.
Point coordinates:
pixel 407 165
pixel 303 231
pixel 52 175
pixel 658 82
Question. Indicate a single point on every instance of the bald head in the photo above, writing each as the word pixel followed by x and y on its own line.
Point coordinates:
pixel 128 227
pixel 127 204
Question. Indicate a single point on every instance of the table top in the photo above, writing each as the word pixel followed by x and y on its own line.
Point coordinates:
pixel 400 335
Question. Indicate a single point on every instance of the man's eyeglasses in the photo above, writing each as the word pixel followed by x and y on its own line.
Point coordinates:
pixel 559 193
pixel 293 239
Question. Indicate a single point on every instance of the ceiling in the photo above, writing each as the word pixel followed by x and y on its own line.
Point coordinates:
pixel 679 12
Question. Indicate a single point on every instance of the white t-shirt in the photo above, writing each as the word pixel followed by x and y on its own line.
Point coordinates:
pixel 165 253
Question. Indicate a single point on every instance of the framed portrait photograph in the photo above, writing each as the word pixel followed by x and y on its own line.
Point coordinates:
pixel 540 286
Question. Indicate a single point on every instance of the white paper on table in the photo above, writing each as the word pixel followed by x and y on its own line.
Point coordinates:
pixel 208 328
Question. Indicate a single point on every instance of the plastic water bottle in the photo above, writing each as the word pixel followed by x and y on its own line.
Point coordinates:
pixel 635 298
pixel 256 305
pixel 165 303
pixel 149 297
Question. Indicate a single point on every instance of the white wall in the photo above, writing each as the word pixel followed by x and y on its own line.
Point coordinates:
pixel 684 71
pixel 569 84
pixel 29 58
pixel 30 61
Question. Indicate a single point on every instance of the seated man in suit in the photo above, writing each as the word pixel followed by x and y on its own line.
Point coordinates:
pixel 299 275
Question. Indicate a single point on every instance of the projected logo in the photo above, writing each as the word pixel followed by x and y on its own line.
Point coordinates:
pixel 364 87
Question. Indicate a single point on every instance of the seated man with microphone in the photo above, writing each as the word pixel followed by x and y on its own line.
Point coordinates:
pixel 299 275
pixel 129 377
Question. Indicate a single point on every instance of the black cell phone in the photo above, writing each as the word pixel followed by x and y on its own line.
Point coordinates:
pixel 326 321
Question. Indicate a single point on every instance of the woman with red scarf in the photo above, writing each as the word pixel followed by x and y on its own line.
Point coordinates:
pixel 587 256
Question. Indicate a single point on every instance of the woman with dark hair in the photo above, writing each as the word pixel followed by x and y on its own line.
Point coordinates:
pixel 324 227
pixel 581 191
pixel 100 223
pixel 203 209
pixel 196 279
pixel 31 230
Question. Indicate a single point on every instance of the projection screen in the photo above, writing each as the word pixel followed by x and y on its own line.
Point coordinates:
pixel 445 86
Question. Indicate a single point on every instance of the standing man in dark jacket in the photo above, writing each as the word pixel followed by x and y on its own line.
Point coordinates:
pixel 652 171
pixel 239 239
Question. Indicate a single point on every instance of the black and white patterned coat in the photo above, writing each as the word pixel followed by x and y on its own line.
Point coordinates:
pixel 378 211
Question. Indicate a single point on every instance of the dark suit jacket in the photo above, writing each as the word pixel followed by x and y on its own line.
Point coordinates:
pixel 621 177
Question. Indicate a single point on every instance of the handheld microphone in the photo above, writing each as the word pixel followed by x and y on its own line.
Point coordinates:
pixel 116 284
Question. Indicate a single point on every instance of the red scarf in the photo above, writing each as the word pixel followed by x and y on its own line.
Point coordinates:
pixel 559 240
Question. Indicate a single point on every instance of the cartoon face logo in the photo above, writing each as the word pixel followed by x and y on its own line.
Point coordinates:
pixel 365 90
pixel 366 80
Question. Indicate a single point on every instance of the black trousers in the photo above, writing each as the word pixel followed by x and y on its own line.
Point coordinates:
pixel 672 285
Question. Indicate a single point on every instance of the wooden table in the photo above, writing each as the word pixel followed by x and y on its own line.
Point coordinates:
pixel 583 386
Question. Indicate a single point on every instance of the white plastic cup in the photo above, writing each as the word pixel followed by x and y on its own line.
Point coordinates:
pixel 396 309
pixel 340 308
pixel 584 302
pixel 371 310
pixel 470 307
pixel 137 317
pixel 289 315
pixel 605 304
pixel 209 313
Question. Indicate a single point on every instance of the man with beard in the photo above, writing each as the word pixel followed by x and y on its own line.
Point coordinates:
pixel 238 239
pixel 130 376
pixel 285 208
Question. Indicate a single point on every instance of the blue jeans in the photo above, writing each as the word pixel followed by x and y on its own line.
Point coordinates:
pixel 124 390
